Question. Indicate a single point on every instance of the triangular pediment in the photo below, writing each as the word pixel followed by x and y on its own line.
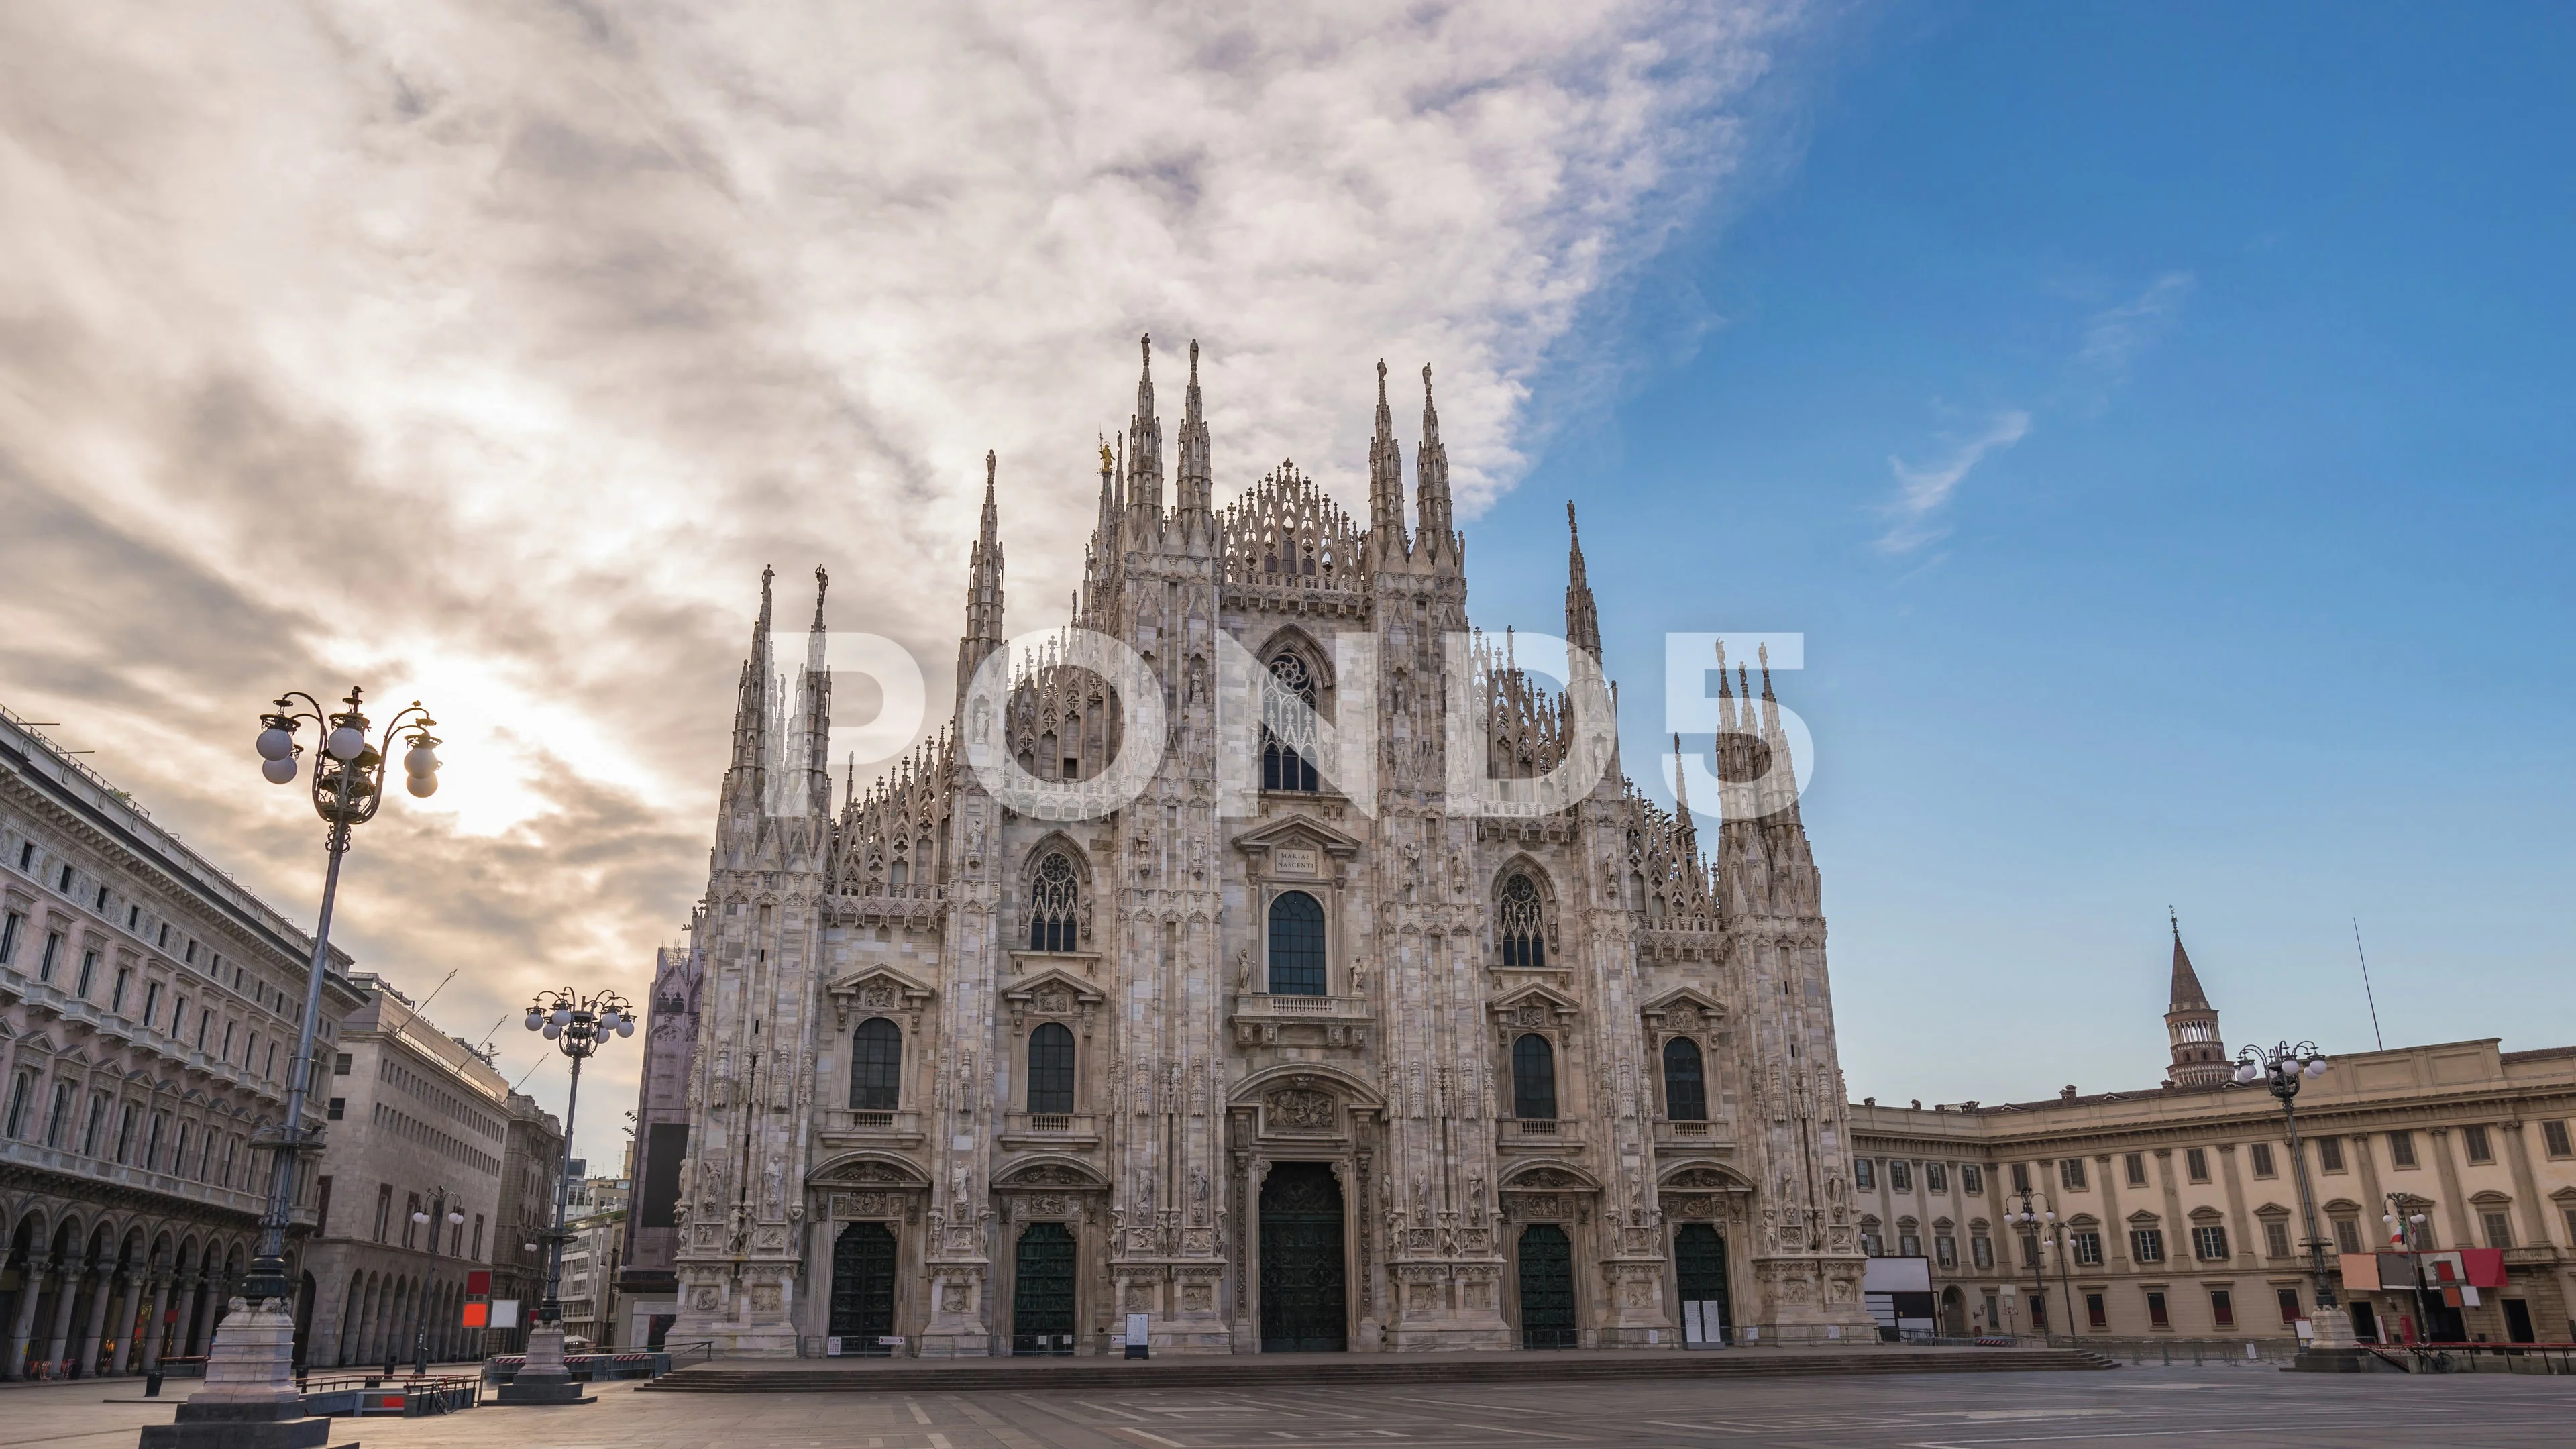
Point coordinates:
pixel 877 988
pixel 1300 830
pixel 1682 998
pixel 1052 990
pixel 1537 998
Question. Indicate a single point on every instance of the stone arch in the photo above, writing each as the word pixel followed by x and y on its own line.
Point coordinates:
pixel 1348 1084
pixel 1525 919
pixel 1051 1169
pixel 1318 654
pixel 869 1167
pixel 1551 1173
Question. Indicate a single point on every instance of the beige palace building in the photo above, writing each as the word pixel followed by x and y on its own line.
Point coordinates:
pixel 2182 1199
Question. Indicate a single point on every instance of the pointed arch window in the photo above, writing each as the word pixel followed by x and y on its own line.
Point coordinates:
pixel 1524 924
pixel 1533 1079
pixel 876 1066
pixel 1287 734
pixel 1685 1082
pixel 1051 1069
pixel 1054 905
pixel 1296 945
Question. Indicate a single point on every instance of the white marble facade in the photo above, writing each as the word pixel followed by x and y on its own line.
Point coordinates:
pixel 1303 1070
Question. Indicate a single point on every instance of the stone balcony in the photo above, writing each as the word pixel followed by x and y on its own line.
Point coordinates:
pixel 850 1127
pixel 1341 1023
pixel 1538 1134
pixel 1714 1136
pixel 1067 1131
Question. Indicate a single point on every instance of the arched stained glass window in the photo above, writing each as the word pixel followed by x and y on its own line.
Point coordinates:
pixel 1053 902
pixel 1685 1084
pixel 1524 926
pixel 1296 945
pixel 1533 1078
pixel 876 1066
pixel 1288 734
pixel 1051 1069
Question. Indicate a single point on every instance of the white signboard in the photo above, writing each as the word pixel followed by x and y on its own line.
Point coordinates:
pixel 832 1346
pixel 505 1313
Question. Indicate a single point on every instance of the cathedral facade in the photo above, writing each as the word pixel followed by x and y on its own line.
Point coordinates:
pixel 1245 1056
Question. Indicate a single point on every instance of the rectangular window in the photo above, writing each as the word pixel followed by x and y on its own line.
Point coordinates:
pixel 205 1019
pixel 2088 1248
pixel 2157 1317
pixel 133 914
pixel 9 929
pixel 339 1109
pixel 190 955
pixel 2021 1177
pixel 2571 1224
pixel 1972 1179
pixel 1945 1250
pixel 2038 1311
pixel 384 1208
pixel 1981 1250
pixel 151 1002
pixel 2276 1237
pixel 411 1210
pixel 162 943
pixel 1909 1245
pixel 99 903
pixel 2222 1308
pixel 152 1142
pixel 63 880
pixel 19 1090
pixel 2195 1161
pixel 228 1041
pixel 232 1145
pixel 2134 1165
pixel 124 983
pixel 1900 1176
pixel 2030 1250
pixel 1872 1245
pixel 2147 1245
pixel 27 856
pixel 2070 1174
pixel 321 1206
pixel 2401 1149
pixel 2553 1138
pixel 2290 1310
pixel 53 949
pixel 340 1068
pixel 2262 1154
pixel 2474 1139
pixel 2330 1154
pixel 88 974
pixel 178 1015
pixel 2096 1311
pixel 125 1132
pixel 97 1122
pixel 2347 1235
pixel 270 1069
pixel 478 1237
pixel 1936 1178
pixel 2209 1242
pixel 2499 1229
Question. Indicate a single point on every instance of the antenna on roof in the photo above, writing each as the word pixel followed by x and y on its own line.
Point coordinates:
pixel 2365 984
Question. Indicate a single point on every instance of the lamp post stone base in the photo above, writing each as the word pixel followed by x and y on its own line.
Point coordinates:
pixel 2332 1349
pixel 543 1379
pixel 250 1400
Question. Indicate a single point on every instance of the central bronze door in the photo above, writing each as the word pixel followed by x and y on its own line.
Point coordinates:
pixel 1302 1292
pixel 863 1287
pixel 1042 1291
pixel 1547 1287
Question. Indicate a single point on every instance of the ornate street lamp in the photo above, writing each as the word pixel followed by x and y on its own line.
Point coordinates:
pixel 2038 1219
pixel 2403 1228
pixel 2331 1347
pixel 440 1216
pixel 577 1028
pixel 257 1406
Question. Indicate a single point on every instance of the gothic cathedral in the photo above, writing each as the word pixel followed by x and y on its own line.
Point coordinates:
pixel 1308 1073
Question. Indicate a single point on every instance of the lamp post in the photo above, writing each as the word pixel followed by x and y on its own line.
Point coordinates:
pixel 2037 1218
pixel 250 1400
pixel 2331 1347
pixel 577 1028
pixel 2402 1230
pixel 439 1217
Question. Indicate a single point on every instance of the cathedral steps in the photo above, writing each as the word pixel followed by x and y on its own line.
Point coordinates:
pixel 1284 1370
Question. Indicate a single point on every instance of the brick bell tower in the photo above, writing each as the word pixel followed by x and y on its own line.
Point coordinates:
pixel 2199 1052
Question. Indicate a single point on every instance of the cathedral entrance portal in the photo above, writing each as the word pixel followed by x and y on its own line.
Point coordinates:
pixel 863 1288
pixel 1302 1290
pixel 1547 1287
pixel 1699 1265
pixel 1042 1291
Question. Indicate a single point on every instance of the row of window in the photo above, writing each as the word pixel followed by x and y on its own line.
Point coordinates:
pixel 84 980
pixel 64 878
pixel 1936 1176
pixel 140 1137
pixel 2477 1144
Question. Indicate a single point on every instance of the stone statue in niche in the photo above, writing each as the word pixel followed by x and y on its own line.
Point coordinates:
pixel 1243 970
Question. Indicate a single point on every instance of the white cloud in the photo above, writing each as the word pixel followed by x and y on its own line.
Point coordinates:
pixel 487 351
pixel 1922 491
pixel 2116 334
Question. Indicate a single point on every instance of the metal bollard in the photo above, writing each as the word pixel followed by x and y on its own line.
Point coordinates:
pixel 152 1384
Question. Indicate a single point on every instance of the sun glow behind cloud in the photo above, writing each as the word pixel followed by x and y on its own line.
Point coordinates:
pixel 485 353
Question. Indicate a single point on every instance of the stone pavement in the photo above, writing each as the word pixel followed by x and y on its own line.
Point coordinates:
pixel 2116 1410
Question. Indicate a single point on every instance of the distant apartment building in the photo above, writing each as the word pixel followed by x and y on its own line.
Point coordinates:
pixel 2180 1203
pixel 148 1013
pixel 531 1165
pixel 597 1228
pixel 412 1179
pixel 648 1290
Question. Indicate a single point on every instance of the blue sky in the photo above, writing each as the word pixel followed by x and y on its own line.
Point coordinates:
pixel 2260 607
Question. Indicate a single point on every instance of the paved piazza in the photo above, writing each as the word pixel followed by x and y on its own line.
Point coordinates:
pixel 2028 1411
